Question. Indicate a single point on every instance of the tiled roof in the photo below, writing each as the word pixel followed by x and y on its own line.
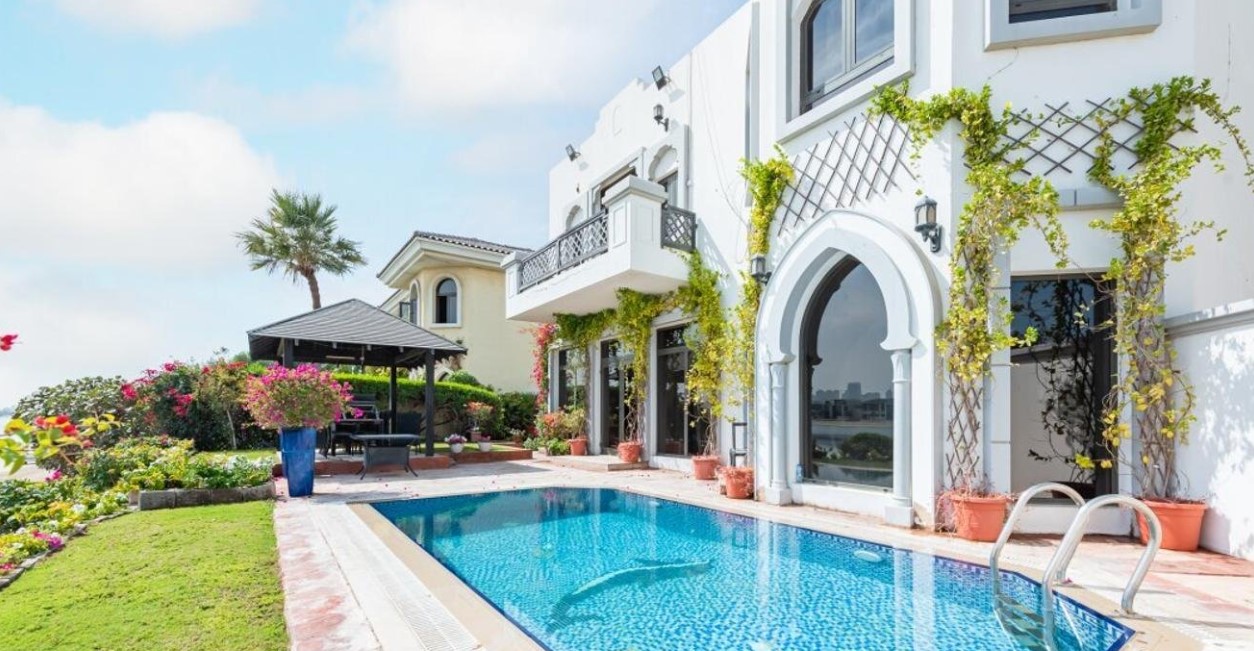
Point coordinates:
pixel 472 242
pixel 351 323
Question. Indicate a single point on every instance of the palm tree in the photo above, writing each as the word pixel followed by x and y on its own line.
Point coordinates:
pixel 298 236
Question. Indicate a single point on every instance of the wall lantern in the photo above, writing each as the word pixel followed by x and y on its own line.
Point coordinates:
pixel 659 116
pixel 660 78
pixel 757 269
pixel 571 152
pixel 925 222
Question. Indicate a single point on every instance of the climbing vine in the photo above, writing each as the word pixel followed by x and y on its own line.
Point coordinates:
pixel 634 324
pixel 977 324
pixel 767 179
pixel 581 331
pixel 708 338
pixel 543 335
pixel 1150 236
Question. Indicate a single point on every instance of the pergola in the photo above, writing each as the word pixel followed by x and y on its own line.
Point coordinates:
pixel 355 332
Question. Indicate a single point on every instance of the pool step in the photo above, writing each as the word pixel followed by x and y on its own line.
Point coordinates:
pixel 595 463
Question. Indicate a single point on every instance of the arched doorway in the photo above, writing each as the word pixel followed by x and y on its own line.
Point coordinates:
pixel 846 382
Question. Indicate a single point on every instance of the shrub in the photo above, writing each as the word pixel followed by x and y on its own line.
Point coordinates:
pixel 867 446
pixel 165 400
pixel 463 377
pixel 103 469
pixel 518 410
pixel 78 399
pixel 157 463
pixel 55 506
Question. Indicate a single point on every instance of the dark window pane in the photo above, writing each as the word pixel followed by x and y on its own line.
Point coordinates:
pixel 446 301
pixel 1022 11
pixel 873 25
pixel 825 38
pixel 849 437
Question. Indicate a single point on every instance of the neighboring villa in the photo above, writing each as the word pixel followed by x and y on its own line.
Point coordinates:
pixel 845 339
pixel 454 286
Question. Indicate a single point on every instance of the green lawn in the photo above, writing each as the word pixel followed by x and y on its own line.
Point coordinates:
pixel 248 454
pixel 184 579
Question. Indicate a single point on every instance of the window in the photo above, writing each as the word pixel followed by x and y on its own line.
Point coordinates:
pixel 615 407
pixel 847 423
pixel 446 301
pixel 1015 23
pixel 671 185
pixel 1026 10
pixel 608 183
pixel 570 377
pixel 843 40
pixel 409 307
pixel 681 429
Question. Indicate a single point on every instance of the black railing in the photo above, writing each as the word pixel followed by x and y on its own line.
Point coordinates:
pixel 591 238
pixel 679 229
pixel 584 241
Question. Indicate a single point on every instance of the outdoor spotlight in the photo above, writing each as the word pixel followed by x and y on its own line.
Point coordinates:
pixel 925 222
pixel 659 116
pixel 571 152
pixel 660 78
pixel 757 269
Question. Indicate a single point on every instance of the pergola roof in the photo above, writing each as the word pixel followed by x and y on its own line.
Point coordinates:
pixel 350 332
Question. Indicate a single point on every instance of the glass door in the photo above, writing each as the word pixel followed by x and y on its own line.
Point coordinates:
pixel 614 408
pixel 679 425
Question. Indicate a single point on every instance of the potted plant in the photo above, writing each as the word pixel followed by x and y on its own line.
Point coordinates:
pixel 297 402
pixel 705 465
pixel 573 429
pixel 479 414
pixel 738 482
pixel 456 443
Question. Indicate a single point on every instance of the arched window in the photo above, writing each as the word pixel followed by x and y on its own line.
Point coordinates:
pixel 446 301
pixel 842 40
pixel 574 217
pixel 413 303
pixel 847 422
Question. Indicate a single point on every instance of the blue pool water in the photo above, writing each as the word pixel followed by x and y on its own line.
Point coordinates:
pixel 600 569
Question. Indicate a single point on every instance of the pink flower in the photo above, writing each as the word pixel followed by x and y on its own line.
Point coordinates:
pixel 6 341
pixel 55 475
pixel 129 392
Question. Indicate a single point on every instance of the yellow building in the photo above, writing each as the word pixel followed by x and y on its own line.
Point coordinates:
pixel 455 287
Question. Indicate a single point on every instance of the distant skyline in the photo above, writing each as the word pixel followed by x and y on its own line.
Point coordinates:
pixel 137 136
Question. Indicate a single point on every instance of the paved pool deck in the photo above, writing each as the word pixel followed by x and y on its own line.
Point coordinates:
pixel 352 583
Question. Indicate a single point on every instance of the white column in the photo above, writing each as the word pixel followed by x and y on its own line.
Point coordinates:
pixel 995 430
pixel 777 491
pixel 901 512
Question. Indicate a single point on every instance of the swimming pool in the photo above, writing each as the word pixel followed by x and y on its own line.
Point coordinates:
pixel 601 569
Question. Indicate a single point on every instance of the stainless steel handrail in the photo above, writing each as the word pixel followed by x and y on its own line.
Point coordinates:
pixel 1021 505
pixel 1057 566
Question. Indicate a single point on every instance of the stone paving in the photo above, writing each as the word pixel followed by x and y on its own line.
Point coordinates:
pixel 345 592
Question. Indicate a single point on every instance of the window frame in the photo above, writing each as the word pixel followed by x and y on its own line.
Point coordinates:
pixel 435 303
pixel 809 96
pixel 792 120
pixel 414 300
pixel 1127 18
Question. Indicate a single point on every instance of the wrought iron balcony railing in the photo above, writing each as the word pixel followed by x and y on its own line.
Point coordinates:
pixel 591 238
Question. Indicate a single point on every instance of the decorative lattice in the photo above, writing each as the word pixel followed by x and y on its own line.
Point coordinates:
pixel 1063 139
pixel 586 240
pixel 679 229
pixel 855 163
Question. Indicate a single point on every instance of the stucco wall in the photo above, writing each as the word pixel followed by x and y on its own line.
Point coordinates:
pixel 500 350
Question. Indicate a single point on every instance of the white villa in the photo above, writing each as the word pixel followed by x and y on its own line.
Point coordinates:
pixel 845 343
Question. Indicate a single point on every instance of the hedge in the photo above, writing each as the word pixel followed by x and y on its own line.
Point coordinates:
pixel 450 397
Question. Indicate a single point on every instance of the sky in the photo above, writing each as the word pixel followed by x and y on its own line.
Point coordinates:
pixel 136 136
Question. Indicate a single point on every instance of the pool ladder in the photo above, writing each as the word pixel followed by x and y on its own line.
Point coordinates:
pixel 1056 570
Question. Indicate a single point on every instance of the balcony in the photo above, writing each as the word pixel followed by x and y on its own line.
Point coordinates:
pixel 633 243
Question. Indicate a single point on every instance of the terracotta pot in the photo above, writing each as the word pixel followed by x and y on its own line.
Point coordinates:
pixel 704 467
pixel 739 482
pixel 980 518
pixel 579 446
pixel 1181 522
pixel 629 451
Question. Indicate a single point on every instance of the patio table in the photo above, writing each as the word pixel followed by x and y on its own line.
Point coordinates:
pixel 385 449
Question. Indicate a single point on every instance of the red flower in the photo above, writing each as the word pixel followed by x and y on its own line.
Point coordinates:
pixel 62 419
pixel 6 341
pixel 69 429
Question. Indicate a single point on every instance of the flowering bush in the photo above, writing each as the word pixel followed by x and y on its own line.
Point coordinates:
pixel 480 414
pixel 56 506
pixel 56 440
pixel 164 400
pixel 561 424
pixel 300 397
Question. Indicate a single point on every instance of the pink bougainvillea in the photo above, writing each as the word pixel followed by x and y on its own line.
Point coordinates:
pixel 7 341
pixel 544 335
pixel 296 397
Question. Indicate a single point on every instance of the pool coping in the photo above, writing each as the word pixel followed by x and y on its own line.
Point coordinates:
pixel 496 630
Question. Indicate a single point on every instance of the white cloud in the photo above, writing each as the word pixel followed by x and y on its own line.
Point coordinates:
pixel 249 106
pixel 170 188
pixel 451 55
pixel 513 152
pixel 165 18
